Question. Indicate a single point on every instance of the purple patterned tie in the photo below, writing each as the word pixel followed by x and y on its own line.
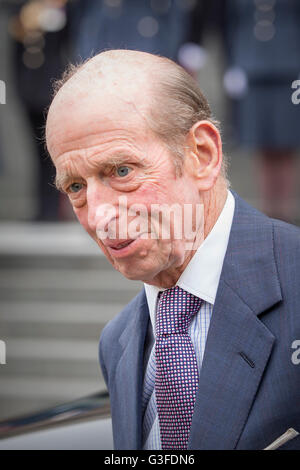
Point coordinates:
pixel 176 380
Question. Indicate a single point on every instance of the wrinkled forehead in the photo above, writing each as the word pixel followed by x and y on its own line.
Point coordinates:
pixel 85 108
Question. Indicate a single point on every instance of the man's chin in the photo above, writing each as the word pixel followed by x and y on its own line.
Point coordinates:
pixel 136 272
pixel 136 275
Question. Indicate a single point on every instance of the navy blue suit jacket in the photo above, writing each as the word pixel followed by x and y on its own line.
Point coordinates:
pixel 249 389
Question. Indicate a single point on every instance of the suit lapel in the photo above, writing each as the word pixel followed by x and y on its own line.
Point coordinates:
pixel 127 390
pixel 237 350
pixel 238 344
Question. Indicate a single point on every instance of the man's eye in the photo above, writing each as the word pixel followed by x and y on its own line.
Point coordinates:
pixel 123 170
pixel 75 187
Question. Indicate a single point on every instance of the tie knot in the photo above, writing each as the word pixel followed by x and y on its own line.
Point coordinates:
pixel 175 310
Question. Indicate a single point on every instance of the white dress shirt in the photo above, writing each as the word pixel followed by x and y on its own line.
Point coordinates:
pixel 201 278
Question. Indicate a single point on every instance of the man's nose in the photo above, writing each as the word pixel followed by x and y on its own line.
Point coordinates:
pixel 101 204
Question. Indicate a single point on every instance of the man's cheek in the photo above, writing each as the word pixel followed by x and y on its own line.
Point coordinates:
pixel 82 217
pixel 152 192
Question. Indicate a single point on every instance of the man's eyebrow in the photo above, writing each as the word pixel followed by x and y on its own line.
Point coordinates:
pixel 116 159
pixel 62 179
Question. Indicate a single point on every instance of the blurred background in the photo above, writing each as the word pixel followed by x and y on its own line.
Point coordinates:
pixel 56 289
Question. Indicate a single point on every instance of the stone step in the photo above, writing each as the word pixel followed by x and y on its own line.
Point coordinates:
pixel 80 295
pixel 95 261
pixel 62 279
pixel 40 239
pixel 49 388
pixel 23 366
pixel 66 285
pixel 50 348
pixel 49 331
pixel 58 313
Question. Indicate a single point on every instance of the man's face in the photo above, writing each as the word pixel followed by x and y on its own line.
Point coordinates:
pixel 107 161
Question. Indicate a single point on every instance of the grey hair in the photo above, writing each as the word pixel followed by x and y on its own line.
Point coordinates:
pixel 177 104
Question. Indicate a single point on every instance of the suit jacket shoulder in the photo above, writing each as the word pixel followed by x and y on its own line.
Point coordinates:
pixel 110 348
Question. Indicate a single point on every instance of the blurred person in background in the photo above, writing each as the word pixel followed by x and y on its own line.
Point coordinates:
pixel 262 40
pixel 171 28
pixel 39 31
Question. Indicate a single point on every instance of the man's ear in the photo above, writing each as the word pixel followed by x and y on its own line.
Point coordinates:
pixel 203 156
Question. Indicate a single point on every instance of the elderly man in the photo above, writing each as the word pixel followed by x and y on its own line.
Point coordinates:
pixel 205 356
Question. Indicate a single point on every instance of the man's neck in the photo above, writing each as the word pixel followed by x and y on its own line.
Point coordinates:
pixel 213 206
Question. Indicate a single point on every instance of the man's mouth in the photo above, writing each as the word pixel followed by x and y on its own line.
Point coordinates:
pixel 122 248
pixel 121 245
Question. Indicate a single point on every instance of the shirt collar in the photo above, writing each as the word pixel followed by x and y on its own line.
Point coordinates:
pixel 202 274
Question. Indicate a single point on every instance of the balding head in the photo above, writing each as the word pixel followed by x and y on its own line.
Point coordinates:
pixel 164 95
pixel 115 72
